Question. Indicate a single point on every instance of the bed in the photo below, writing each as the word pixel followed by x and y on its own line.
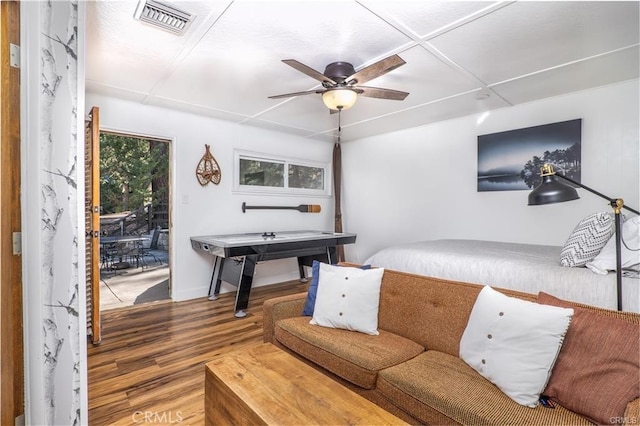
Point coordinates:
pixel 524 267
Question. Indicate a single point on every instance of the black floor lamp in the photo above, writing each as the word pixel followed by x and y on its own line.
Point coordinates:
pixel 552 190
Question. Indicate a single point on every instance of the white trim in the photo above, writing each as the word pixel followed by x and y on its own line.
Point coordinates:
pixel 286 190
pixel 171 140
pixel 29 200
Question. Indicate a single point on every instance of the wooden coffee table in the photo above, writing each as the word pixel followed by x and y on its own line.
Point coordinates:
pixel 265 385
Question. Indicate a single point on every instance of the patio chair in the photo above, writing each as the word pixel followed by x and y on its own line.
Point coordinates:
pixel 114 256
pixel 145 250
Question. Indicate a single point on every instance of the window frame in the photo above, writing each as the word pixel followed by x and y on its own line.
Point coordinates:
pixel 286 161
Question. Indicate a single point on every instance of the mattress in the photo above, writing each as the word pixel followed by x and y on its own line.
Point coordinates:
pixel 523 267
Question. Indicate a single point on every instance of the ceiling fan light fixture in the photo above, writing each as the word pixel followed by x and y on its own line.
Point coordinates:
pixel 339 98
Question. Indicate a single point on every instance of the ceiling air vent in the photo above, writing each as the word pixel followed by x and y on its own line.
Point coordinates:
pixel 163 16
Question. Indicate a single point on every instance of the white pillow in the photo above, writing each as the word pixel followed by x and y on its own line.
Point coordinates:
pixel 348 298
pixel 587 239
pixel 606 260
pixel 514 343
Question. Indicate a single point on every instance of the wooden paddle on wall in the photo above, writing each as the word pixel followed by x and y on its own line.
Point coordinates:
pixel 303 208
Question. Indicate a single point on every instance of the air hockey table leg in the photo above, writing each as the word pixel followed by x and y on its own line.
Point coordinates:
pixel 216 278
pixel 303 277
pixel 332 255
pixel 244 285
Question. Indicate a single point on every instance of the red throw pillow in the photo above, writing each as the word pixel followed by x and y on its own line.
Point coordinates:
pixel 597 371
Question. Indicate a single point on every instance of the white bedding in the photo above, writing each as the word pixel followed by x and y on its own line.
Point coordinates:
pixel 523 267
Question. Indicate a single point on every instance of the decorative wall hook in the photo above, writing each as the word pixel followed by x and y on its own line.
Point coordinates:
pixel 208 169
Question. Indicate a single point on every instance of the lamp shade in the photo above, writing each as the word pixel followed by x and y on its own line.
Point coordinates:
pixel 551 191
pixel 339 99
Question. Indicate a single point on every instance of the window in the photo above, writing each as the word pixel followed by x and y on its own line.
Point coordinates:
pixel 255 172
pixel 266 174
pixel 305 177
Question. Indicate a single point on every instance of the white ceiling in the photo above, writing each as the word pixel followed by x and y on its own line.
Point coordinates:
pixel 229 60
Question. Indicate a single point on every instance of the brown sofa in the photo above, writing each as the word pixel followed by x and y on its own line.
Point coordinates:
pixel 412 368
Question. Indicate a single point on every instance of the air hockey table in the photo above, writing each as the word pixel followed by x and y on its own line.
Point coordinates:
pixel 236 256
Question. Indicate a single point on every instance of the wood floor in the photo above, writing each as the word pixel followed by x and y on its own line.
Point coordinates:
pixel 149 368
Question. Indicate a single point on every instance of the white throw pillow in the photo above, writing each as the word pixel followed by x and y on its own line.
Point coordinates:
pixel 348 298
pixel 514 343
pixel 587 239
pixel 606 260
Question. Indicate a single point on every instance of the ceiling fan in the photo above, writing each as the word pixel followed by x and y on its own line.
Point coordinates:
pixel 341 83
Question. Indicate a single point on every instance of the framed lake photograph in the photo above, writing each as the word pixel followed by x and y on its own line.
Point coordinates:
pixel 511 160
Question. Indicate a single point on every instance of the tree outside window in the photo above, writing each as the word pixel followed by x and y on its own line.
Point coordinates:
pixel 133 173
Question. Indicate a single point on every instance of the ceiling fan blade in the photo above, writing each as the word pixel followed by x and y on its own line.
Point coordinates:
pixel 376 92
pixel 291 95
pixel 376 70
pixel 308 71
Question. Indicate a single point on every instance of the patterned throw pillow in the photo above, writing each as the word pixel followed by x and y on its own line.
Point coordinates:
pixel 605 261
pixel 587 239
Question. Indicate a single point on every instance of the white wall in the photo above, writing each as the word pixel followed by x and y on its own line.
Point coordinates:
pixel 420 183
pixel 212 209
